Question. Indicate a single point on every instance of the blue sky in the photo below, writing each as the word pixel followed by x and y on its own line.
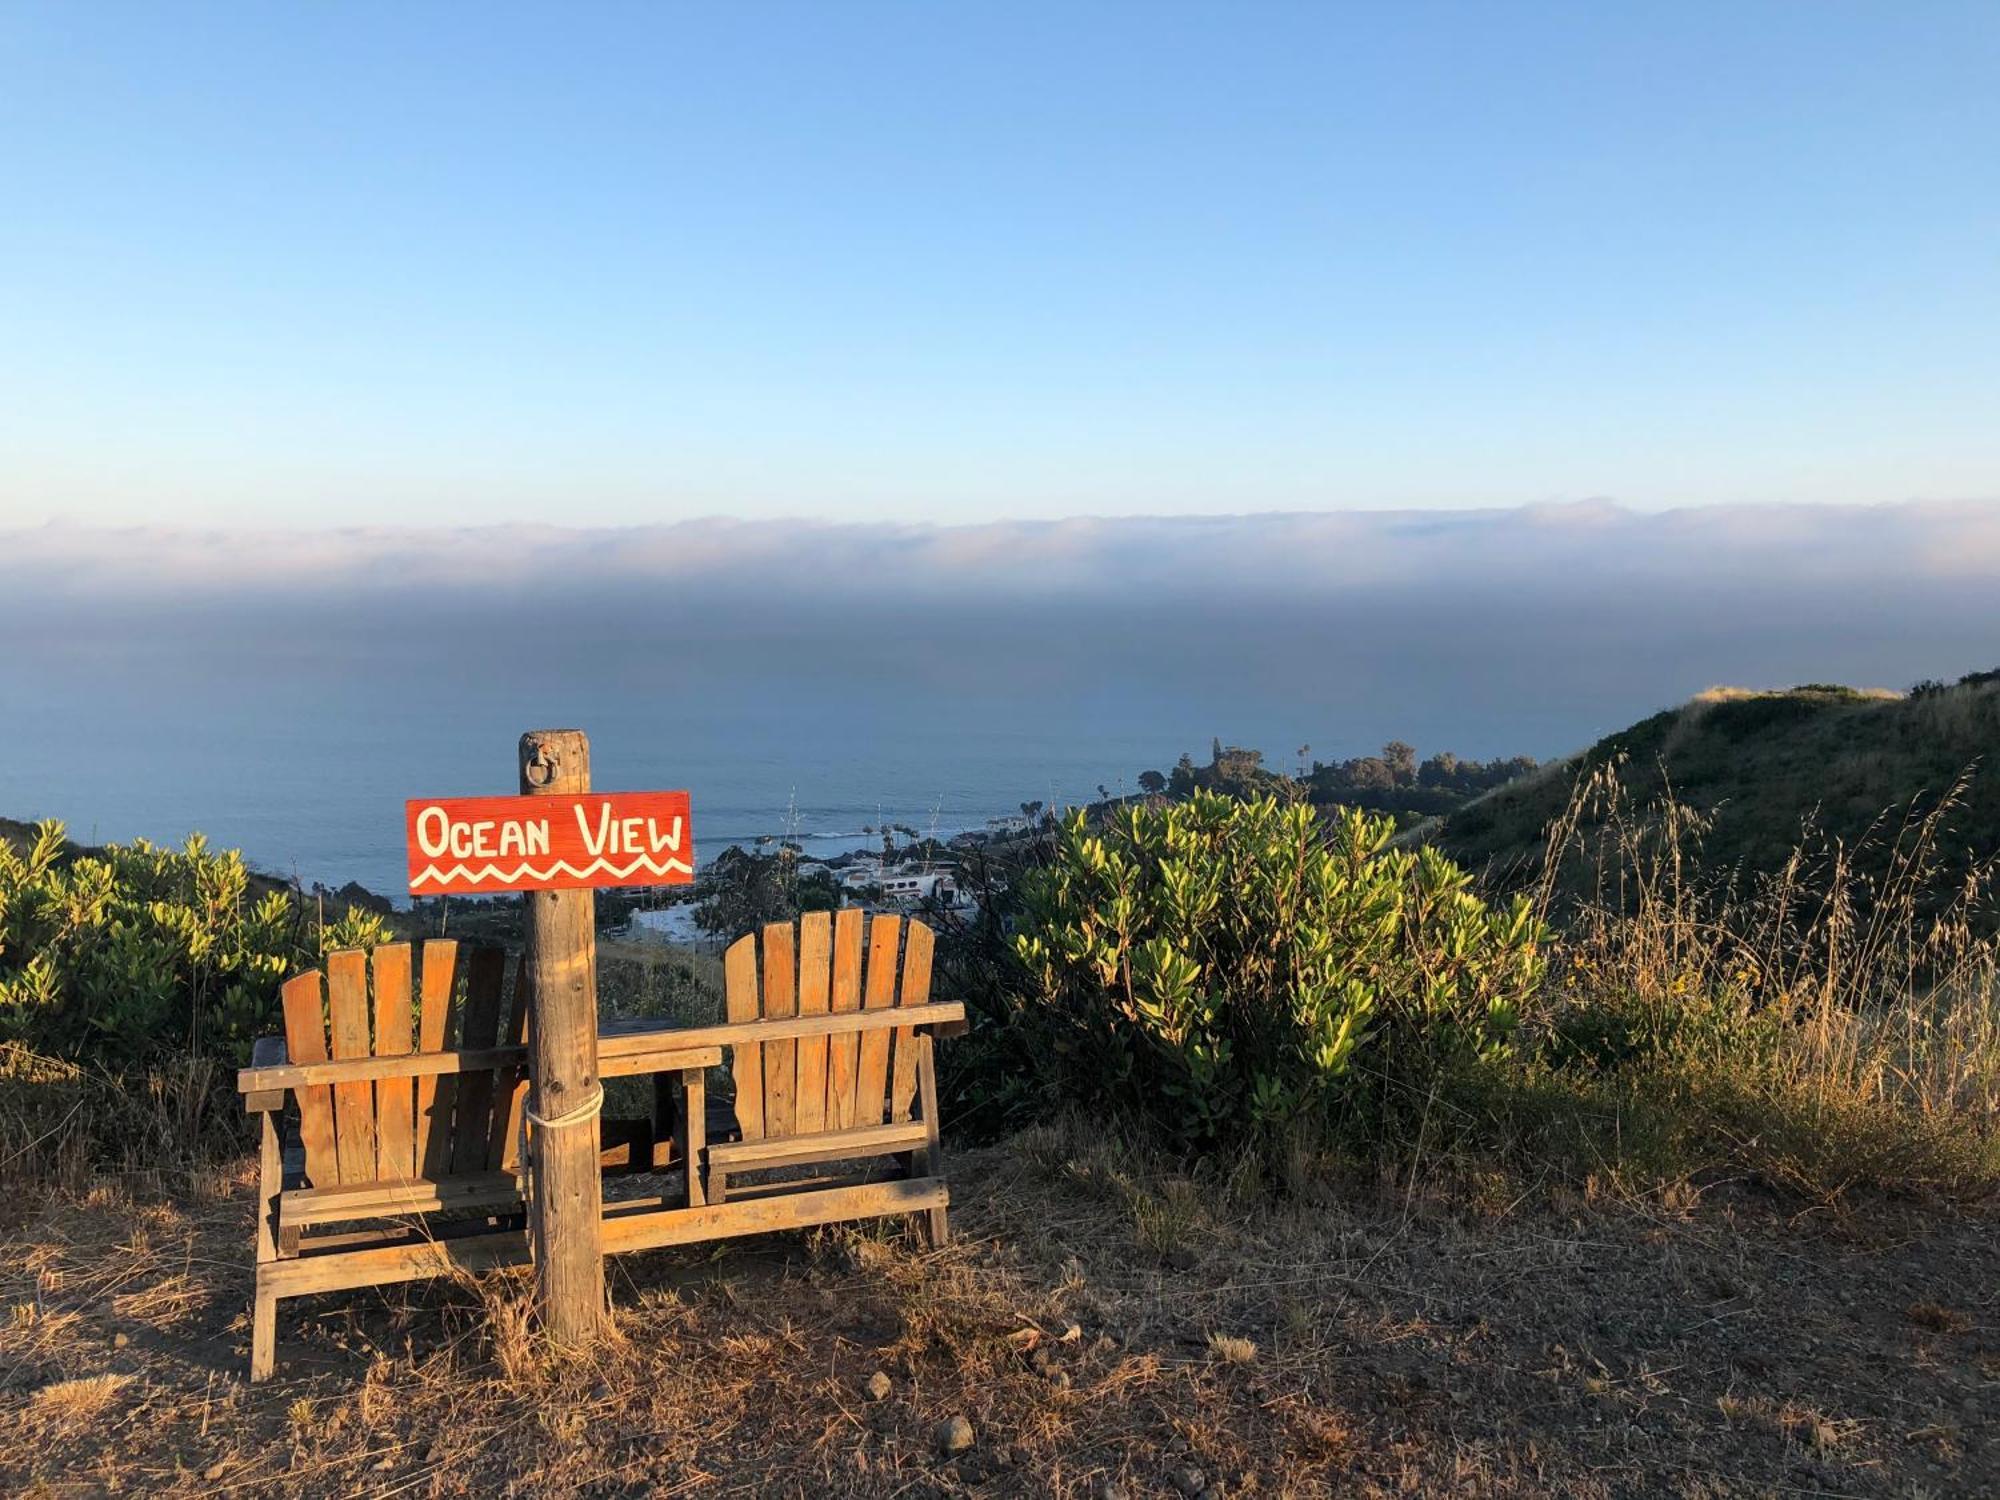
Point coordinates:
pixel 448 264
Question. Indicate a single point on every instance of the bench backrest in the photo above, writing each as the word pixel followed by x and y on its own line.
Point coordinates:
pixel 400 1129
pixel 846 1079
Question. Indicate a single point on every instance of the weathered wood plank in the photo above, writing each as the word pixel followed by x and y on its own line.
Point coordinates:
pixel 648 1228
pixel 815 999
pixel 930 1161
pixel 395 1098
pixel 630 1052
pixel 739 981
pixel 437 1097
pixel 510 1084
pixel 691 1133
pixel 780 1002
pixel 479 1028
pixel 828 1145
pixel 347 1030
pixel 302 1208
pixel 843 1059
pixel 640 1226
pixel 872 1076
pixel 916 989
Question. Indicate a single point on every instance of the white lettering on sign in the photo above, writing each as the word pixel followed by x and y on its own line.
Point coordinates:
pixel 439 834
pixel 626 835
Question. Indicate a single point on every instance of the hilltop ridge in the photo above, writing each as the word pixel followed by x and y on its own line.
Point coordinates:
pixel 1766 766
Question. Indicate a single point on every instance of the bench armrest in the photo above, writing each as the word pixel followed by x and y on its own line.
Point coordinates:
pixel 265 1052
pixel 620 1042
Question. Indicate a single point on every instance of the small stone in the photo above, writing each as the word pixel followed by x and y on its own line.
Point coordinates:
pixel 120 1340
pixel 1108 1491
pixel 954 1435
pixel 1191 1482
pixel 214 1470
pixel 879 1386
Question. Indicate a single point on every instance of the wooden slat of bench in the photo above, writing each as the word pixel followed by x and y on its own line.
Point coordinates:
pixel 374 1200
pixel 815 999
pixel 395 1098
pixel 843 1058
pixel 347 1029
pixel 660 1051
pixel 437 1096
pixel 830 1145
pixel 780 1003
pixel 668 1057
pixel 305 1042
pixel 616 1039
pixel 479 1029
pixel 627 1226
pixel 647 1228
pixel 916 989
pixel 417 1258
pixel 739 973
pixel 872 1076
pixel 510 1085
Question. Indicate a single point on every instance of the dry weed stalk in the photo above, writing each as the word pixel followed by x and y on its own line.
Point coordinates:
pixel 1856 983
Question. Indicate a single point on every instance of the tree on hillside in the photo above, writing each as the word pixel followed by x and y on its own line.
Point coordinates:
pixel 1402 761
pixel 1441 770
pixel 1152 782
pixel 1182 782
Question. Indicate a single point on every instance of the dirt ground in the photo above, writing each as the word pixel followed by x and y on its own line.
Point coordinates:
pixel 1101 1331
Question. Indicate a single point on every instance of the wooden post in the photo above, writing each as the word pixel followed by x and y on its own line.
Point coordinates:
pixel 567 1199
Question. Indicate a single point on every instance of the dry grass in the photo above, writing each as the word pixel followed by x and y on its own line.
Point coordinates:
pixel 1824 1029
pixel 73 1405
pixel 1358 1340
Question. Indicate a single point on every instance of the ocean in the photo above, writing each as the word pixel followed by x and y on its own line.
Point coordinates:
pixel 285 694
pixel 304 760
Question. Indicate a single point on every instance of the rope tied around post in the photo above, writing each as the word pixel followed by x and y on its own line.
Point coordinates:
pixel 588 1110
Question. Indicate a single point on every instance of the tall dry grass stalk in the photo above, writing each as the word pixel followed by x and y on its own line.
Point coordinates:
pixel 63 1124
pixel 1853 994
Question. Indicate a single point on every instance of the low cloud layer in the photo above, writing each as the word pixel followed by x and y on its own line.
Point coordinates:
pixel 1530 630
pixel 1580 550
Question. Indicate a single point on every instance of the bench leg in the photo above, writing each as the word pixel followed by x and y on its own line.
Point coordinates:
pixel 692 1131
pixel 931 1158
pixel 263 1336
pixel 264 1307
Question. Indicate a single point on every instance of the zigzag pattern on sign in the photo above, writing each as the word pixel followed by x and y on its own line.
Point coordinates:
pixel 437 876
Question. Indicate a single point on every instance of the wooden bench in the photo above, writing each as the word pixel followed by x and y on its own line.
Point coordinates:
pixel 410 1090
pixel 823 1070
pixel 411 1103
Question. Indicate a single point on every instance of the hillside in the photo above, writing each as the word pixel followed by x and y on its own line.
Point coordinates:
pixel 1764 765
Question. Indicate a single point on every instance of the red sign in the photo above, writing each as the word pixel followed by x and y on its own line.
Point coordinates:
pixel 474 846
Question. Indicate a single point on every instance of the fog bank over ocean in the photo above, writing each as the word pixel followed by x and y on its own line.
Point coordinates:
pixel 286 690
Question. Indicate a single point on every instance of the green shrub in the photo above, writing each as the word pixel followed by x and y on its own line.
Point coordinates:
pixel 134 951
pixel 1221 968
